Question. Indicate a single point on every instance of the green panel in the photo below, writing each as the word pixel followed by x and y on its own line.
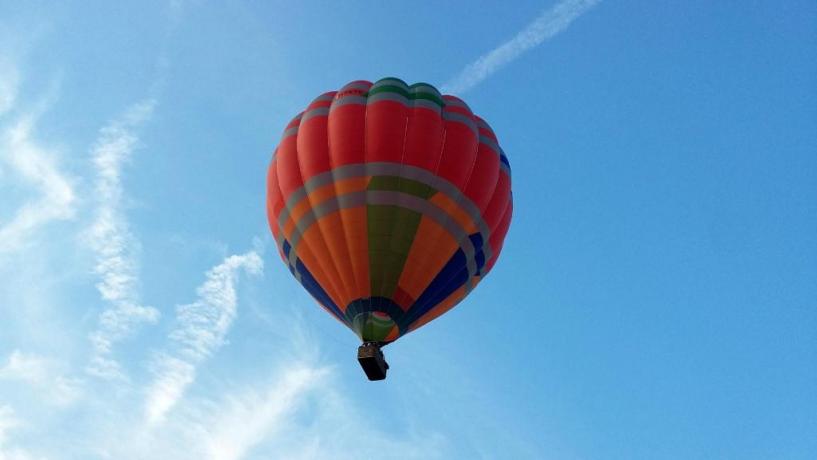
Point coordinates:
pixel 416 94
pixel 391 231
pixel 400 184
pixel 373 326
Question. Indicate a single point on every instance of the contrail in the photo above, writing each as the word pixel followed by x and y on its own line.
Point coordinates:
pixel 544 27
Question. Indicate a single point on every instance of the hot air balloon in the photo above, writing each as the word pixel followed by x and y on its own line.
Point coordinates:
pixel 389 203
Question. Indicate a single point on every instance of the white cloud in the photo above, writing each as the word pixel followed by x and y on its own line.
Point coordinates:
pixel 201 329
pixel 36 166
pixel 25 367
pixel 9 422
pixel 299 412
pixel 115 247
pixel 47 376
pixel 9 83
pixel 547 25
pixel 247 420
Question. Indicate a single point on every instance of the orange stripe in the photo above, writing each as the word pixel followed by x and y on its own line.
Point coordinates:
pixel 442 307
pixel 431 249
pixel 320 195
pixel 357 241
pixel 331 229
pixel 321 268
pixel 455 211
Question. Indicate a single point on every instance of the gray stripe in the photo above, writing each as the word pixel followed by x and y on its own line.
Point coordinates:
pixel 290 132
pixel 490 143
pixel 505 168
pixel 388 96
pixel 425 103
pixel 319 111
pixel 482 124
pixel 327 207
pixel 324 97
pixel 387 169
pixel 358 85
pixel 428 209
pixel 393 169
pixel 390 82
pixel 425 88
pixel 349 99
pixel 456 103
pixel 387 198
pixel 460 118
pixel 409 103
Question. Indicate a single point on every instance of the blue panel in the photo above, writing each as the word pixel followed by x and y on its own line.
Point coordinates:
pixel 311 284
pixel 479 256
pixel 286 247
pixel 504 160
pixel 450 278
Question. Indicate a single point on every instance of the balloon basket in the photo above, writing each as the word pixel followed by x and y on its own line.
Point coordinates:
pixel 372 361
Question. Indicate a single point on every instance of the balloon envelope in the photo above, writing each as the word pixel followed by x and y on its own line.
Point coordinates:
pixel 389 203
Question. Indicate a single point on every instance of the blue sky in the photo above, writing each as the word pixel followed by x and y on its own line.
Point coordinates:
pixel 656 296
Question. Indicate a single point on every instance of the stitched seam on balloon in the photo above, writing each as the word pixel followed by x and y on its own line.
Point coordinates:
pixel 471 267
pixel 336 257
pixel 340 285
pixel 343 100
pixel 332 278
pixel 293 266
pixel 448 116
pixel 381 289
pixel 462 119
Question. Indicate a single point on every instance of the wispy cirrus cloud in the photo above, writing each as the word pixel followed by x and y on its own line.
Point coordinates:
pixel 45 375
pixel 115 247
pixel 9 422
pixel 252 417
pixel 547 25
pixel 202 327
pixel 35 165
pixel 9 84
pixel 299 411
